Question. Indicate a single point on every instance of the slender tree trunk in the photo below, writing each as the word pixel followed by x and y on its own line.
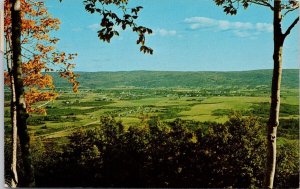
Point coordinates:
pixel 13 111
pixel 14 175
pixel 28 180
pixel 273 122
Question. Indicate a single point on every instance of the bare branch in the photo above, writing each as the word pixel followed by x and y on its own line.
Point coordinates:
pixel 291 27
pixel 290 10
pixel 263 3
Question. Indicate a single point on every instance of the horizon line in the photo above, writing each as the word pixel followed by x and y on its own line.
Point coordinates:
pixel 184 70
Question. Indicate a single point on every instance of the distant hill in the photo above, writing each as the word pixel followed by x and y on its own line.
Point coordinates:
pixel 172 79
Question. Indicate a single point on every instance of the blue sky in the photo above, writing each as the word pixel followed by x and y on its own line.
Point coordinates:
pixel 189 35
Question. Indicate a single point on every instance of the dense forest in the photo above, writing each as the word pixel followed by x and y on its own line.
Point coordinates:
pixel 160 154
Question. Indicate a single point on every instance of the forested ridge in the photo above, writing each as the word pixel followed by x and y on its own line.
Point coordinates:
pixel 152 79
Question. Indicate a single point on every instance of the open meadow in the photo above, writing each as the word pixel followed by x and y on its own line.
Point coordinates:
pixel 134 105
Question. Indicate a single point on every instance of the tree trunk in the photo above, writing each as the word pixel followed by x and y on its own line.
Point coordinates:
pixel 14 136
pixel 13 112
pixel 28 179
pixel 273 122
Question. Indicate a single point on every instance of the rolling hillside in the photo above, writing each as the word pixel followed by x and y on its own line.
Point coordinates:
pixel 171 79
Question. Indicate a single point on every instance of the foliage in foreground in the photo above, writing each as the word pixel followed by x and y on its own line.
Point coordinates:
pixel 159 154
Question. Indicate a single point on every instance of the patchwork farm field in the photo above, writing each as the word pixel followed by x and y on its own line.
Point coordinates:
pixel 127 121
pixel 132 106
pixel 133 102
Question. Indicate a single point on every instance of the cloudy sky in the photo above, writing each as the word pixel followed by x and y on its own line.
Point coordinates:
pixel 189 35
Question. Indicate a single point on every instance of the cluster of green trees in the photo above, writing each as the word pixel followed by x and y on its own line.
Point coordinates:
pixel 158 154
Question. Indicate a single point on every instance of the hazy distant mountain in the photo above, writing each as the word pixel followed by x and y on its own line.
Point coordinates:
pixel 154 79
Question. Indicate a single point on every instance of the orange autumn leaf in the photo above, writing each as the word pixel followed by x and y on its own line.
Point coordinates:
pixel 39 54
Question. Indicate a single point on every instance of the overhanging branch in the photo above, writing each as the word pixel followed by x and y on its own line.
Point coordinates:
pixel 266 4
pixel 288 31
pixel 290 10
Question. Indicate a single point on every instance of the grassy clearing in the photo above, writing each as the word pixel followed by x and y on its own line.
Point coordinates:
pixel 71 111
pixel 205 110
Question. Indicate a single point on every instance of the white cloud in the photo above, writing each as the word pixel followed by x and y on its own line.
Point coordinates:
pixel 94 27
pixel 241 25
pixel 261 27
pixel 242 33
pixel 200 21
pixel 240 29
pixel 224 25
pixel 164 32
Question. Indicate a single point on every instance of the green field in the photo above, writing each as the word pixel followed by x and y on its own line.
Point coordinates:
pixel 85 108
pixel 213 101
pixel 222 124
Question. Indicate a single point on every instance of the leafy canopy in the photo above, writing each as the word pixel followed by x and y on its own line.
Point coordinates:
pixel 231 6
pixel 118 15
